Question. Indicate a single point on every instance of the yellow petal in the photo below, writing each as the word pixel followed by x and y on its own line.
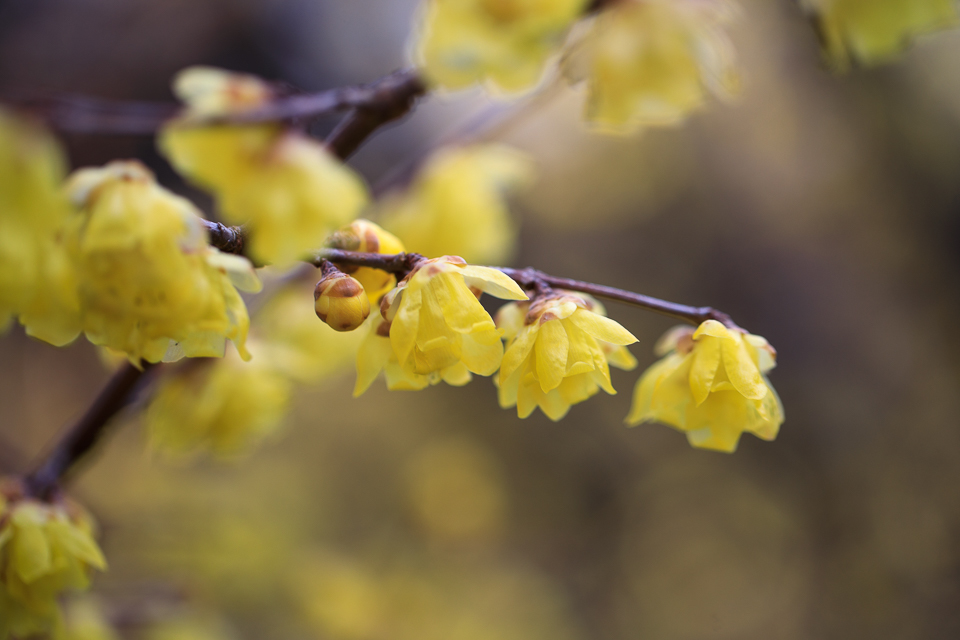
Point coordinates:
pixel 552 346
pixel 403 330
pixel 602 328
pixel 518 350
pixel 741 370
pixel 706 361
pixel 493 281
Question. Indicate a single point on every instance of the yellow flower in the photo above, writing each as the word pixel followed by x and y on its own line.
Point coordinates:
pixel 873 31
pixel 282 184
pixel 651 62
pixel 711 385
pixel 223 405
pixel 558 352
pixel 504 43
pixel 45 549
pixel 37 281
pixel 150 286
pixel 457 204
pixel 437 322
pixel 294 343
pixel 376 354
pixel 367 237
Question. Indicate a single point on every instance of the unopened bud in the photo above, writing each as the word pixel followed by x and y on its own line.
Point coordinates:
pixel 341 301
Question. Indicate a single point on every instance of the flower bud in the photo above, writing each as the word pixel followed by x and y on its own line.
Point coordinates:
pixel 341 301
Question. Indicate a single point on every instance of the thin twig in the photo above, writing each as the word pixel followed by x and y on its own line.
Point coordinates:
pixel 530 278
pixel 533 279
pixel 80 438
pixel 86 115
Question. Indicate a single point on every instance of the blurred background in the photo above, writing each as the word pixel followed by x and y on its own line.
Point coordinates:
pixel 820 211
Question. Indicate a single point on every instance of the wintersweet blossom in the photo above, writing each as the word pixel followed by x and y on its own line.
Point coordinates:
pixel 436 320
pixel 367 237
pixel 224 405
pixel 504 43
pixel 457 204
pixel 873 31
pixel 376 355
pixel 149 285
pixel 559 349
pixel 652 62
pixel 285 186
pixel 711 385
pixel 45 550
pixel 37 281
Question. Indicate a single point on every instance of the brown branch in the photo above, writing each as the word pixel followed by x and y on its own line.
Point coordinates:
pixel 82 114
pixel 530 278
pixel 389 101
pixel 83 436
pixel 533 279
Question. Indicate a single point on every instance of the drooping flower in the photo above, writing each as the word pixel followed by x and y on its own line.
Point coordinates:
pixel 652 62
pixel 297 345
pixel 437 322
pixel 149 285
pixel 874 31
pixel 367 237
pixel 376 354
pixel 45 550
pixel 711 385
pixel 37 281
pixel 456 205
pixel 503 43
pixel 224 405
pixel 288 190
pixel 559 349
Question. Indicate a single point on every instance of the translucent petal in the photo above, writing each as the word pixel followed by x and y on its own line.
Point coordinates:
pixel 602 328
pixel 551 347
pixel 706 361
pixel 741 370
pixel 492 281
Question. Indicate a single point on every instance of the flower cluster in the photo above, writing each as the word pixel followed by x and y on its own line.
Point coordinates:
pixel 711 385
pixel 45 550
pixel 432 327
pixel 559 349
pixel 288 190
pixel 644 61
pixel 149 285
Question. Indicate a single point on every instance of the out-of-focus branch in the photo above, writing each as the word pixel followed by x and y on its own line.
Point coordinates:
pixel 535 280
pixel 377 102
pixel 83 436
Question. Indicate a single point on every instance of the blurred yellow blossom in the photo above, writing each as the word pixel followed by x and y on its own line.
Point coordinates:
pixel 282 184
pixel 457 490
pixel 503 43
pixel 559 349
pixel 224 405
pixel 873 31
pixel 367 237
pixel 45 550
pixel 37 281
pixel 437 322
pixel 295 343
pixel 150 286
pixel 711 385
pixel 456 205
pixel 85 620
pixel 651 62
